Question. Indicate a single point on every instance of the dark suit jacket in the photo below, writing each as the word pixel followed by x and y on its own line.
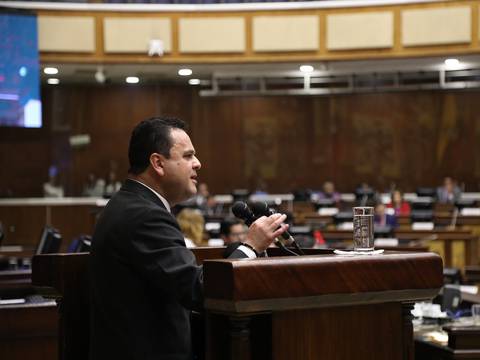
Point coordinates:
pixel 144 281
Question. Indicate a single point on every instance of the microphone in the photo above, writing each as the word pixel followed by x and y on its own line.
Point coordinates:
pixel 262 209
pixel 242 211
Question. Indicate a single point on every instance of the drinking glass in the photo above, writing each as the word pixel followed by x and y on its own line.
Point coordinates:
pixel 363 228
pixel 476 314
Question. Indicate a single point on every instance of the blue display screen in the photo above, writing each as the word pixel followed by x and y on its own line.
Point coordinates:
pixel 20 103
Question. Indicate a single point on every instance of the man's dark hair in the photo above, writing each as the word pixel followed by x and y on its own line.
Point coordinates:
pixel 226 225
pixel 151 136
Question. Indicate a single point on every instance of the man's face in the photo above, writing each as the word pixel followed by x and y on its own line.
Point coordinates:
pixel 179 181
pixel 237 234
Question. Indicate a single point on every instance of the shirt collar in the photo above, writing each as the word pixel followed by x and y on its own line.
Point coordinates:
pixel 163 200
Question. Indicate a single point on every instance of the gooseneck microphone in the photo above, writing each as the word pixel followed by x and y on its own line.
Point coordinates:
pixel 262 209
pixel 242 211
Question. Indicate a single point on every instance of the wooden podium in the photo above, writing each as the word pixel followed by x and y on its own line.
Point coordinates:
pixel 321 306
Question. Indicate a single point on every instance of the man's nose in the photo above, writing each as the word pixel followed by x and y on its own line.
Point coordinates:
pixel 197 164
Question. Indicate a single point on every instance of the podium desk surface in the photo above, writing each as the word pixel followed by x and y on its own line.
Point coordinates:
pixel 267 284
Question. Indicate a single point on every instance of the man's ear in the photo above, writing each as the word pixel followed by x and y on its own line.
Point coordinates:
pixel 157 162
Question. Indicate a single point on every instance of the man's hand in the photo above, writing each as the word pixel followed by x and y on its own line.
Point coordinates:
pixel 264 231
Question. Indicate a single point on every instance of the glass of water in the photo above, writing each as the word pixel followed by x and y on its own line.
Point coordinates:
pixel 476 314
pixel 363 228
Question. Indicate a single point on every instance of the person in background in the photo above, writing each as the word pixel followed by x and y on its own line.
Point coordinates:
pixel 112 185
pixel 52 188
pixel 212 207
pixel 202 195
pixel 329 192
pixel 232 231
pixel 382 218
pixel 93 187
pixel 191 224
pixel 401 207
pixel 449 192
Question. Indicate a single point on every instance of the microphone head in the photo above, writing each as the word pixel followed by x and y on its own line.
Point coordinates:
pixel 260 208
pixel 242 211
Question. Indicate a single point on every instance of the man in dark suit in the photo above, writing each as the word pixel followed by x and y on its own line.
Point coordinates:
pixel 144 280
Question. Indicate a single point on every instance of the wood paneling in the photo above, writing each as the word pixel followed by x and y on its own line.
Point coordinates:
pixel 409 138
pixel 368 46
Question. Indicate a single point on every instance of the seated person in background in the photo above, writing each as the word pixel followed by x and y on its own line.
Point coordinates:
pixel 449 192
pixel 260 187
pixel 112 185
pixel 382 218
pixel 191 224
pixel 51 188
pixel 233 231
pixel 93 187
pixel 328 192
pixel 202 195
pixel 397 203
pixel 212 208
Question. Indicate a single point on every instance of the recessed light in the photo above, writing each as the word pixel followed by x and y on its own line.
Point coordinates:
pixel 132 80
pixel 53 81
pixel 452 63
pixel 185 72
pixel 50 70
pixel 306 68
pixel 194 81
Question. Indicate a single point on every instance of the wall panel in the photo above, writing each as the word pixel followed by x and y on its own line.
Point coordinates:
pixel 132 35
pixel 450 25
pixel 407 138
pixel 285 33
pixel 66 33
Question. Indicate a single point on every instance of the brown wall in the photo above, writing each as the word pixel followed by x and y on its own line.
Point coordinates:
pixel 410 138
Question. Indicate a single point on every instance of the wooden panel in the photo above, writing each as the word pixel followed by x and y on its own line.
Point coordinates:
pixel 319 329
pixel 23 225
pixel 29 332
pixel 287 141
pixel 450 25
pixel 360 31
pixel 285 33
pixel 66 33
pixel 132 35
pixel 340 276
pixel 207 35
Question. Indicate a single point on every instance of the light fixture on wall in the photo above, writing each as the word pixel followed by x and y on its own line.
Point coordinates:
pixel 185 72
pixel 306 68
pixel 50 70
pixel 451 64
pixel 194 81
pixel 100 75
pixel 155 47
pixel 53 81
pixel 132 80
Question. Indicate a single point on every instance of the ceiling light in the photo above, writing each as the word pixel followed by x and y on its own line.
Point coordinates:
pixel 306 68
pixel 194 81
pixel 50 70
pixel 132 80
pixel 53 81
pixel 185 72
pixel 452 63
